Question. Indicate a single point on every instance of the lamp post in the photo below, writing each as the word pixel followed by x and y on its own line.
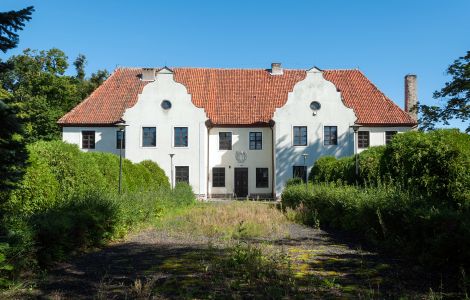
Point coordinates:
pixel 356 127
pixel 121 125
pixel 171 166
pixel 305 155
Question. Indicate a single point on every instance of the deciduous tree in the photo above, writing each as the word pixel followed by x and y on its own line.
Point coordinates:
pixel 456 97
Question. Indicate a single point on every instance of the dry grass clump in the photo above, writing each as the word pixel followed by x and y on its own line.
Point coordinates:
pixel 230 220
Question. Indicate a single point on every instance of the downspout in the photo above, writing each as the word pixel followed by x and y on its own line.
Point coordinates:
pixel 208 125
pixel 273 180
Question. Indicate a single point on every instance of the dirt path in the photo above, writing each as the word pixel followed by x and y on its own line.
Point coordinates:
pixel 173 261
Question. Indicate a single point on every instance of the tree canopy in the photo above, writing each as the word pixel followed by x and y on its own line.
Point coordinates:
pixel 10 23
pixel 41 93
pixel 456 97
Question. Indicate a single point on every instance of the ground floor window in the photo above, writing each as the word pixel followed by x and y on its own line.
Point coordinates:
pixel 182 174
pixel 88 139
pixel 300 172
pixel 218 177
pixel 388 136
pixel 262 177
pixel 363 139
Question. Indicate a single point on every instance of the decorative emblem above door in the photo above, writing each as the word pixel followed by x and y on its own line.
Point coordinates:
pixel 240 156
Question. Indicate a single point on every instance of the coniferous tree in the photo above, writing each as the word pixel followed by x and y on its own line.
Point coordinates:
pixel 10 23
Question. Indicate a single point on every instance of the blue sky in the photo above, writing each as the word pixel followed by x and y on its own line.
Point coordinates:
pixel 384 39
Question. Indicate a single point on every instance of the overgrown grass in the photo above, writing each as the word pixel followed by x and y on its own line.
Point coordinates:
pixel 229 220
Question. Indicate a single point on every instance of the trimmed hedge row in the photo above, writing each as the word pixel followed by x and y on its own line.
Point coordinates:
pixel 68 201
pixel 435 164
pixel 388 217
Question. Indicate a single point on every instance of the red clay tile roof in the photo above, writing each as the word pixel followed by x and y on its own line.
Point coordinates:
pixel 235 96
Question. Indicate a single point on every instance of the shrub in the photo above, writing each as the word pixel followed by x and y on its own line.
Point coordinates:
pixel 68 201
pixel 390 218
pixel 435 164
pixel 294 181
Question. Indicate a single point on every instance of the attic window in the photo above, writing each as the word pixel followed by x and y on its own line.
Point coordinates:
pixel 315 105
pixel 166 104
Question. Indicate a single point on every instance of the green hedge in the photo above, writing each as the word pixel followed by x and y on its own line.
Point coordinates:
pixel 68 201
pixel 435 164
pixel 388 217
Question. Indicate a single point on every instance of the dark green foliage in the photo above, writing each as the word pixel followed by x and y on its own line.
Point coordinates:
pixel 10 23
pixel 68 202
pixel 13 153
pixel 41 93
pixel 456 94
pixel 389 218
pixel 435 164
pixel 294 181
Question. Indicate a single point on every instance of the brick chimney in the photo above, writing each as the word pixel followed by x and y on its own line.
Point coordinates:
pixel 276 69
pixel 148 74
pixel 411 96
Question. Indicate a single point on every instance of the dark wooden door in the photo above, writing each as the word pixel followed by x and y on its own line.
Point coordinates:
pixel 241 182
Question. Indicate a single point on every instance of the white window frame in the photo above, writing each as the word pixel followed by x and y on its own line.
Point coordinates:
pixel 173 137
pixel 292 136
pixel 323 135
pixel 141 138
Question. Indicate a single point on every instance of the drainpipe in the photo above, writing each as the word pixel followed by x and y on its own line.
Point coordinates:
pixel 273 180
pixel 207 163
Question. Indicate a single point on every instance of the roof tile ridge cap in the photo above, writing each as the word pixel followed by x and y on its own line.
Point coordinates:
pixel 64 117
pixel 390 101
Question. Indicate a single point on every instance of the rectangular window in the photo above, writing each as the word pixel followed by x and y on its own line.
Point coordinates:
pixel 300 135
pixel 120 137
pixel 300 172
pixel 218 177
pixel 181 137
pixel 330 135
pixel 182 174
pixel 225 141
pixel 256 140
pixel 149 136
pixel 388 136
pixel 88 139
pixel 363 139
pixel 262 177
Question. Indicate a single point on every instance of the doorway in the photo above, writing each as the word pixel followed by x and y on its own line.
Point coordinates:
pixel 241 182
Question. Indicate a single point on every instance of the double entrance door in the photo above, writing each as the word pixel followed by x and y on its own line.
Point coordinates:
pixel 241 182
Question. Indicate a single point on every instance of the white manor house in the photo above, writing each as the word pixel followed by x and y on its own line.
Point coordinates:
pixel 237 132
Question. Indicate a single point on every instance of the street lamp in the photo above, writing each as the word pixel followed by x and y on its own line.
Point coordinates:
pixel 171 166
pixel 305 155
pixel 356 127
pixel 121 125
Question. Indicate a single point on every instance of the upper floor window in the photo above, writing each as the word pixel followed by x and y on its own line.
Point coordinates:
pixel 256 141
pixel 300 136
pixel 218 177
pixel 262 177
pixel 88 139
pixel 181 137
pixel 182 174
pixel 388 136
pixel 363 139
pixel 149 136
pixel 225 141
pixel 120 139
pixel 330 135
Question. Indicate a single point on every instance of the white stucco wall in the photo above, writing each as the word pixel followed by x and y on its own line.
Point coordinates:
pixel 227 158
pixel 148 113
pixel 297 112
pixel 105 138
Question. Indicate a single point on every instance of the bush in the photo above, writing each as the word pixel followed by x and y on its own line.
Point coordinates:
pixel 390 218
pixel 68 202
